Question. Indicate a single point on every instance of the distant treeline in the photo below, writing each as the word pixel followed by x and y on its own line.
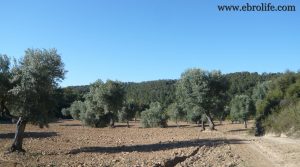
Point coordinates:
pixel 163 91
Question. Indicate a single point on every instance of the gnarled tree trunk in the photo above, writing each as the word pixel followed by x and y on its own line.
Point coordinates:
pixel 210 122
pixel 18 140
pixel 21 124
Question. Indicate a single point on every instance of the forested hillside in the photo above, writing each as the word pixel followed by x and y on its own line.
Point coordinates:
pixel 163 91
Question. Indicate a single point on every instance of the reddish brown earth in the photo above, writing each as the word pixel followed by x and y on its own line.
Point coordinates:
pixel 68 143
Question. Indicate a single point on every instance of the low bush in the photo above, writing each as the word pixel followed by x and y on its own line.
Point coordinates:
pixel 154 116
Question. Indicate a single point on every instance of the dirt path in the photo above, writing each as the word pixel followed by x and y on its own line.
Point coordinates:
pixel 251 155
pixel 266 151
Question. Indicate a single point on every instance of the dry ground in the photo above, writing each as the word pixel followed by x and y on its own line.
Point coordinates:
pixel 68 143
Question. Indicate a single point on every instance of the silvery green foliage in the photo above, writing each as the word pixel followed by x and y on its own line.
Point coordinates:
pixel 95 114
pixel 195 114
pixel 154 116
pixel 240 108
pixel 175 112
pixel 127 112
pixel 113 96
pixel 66 112
pixel 203 90
pixel 35 78
pixel 5 76
pixel 193 91
pixel 260 91
pixel 76 109
pixel 122 114
pixel 101 103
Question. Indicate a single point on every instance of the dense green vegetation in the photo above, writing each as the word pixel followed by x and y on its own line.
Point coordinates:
pixel 144 93
pixel 278 110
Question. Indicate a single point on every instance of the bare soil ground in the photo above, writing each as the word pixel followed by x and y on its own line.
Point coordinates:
pixel 68 143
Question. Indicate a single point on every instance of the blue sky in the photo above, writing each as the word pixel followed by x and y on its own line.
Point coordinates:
pixel 139 40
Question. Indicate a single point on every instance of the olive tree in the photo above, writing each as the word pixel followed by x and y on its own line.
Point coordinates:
pixel 93 113
pixel 154 116
pixel 128 112
pixel 112 97
pixel 101 104
pixel 75 110
pixel 218 96
pixel 32 81
pixel 260 92
pixel 198 88
pixel 241 108
pixel 175 112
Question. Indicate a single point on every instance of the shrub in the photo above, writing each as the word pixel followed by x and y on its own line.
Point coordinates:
pixel 95 119
pixel 65 112
pixel 175 112
pixel 286 120
pixel 76 109
pixel 154 116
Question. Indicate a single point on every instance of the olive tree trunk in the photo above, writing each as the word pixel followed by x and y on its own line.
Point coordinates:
pixel 20 128
pixel 202 125
pixel 18 140
pixel 112 122
pixel 210 122
pixel 245 123
pixel 176 120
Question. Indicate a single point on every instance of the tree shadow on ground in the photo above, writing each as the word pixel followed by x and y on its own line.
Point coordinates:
pixel 125 126
pixel 71 125
pixel 29 135
pixel 238 130
pixel 156 147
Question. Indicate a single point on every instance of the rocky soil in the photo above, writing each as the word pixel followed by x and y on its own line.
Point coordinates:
pixel 68 143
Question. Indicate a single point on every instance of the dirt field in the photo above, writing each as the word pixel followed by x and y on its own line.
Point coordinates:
pixel 68 143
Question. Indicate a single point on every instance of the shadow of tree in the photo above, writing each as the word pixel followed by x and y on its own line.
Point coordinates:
pixel 29 135
pixel 156 147
pixel 71 125
pixel 238 130
pixel 122 126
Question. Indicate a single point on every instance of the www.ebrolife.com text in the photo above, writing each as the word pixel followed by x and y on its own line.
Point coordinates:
pixel 262 7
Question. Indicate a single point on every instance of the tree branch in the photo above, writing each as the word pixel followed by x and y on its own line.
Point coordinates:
pixel 5 112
